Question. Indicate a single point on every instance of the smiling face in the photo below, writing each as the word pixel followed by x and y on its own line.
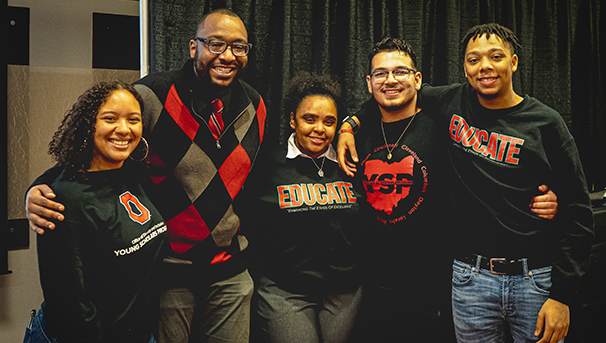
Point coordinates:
pixel 397 99
pixel 118 131
pixel 489 67
pixel 315 123
pixel 217 71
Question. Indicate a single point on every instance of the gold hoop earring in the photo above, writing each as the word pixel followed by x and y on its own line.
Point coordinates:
pixel 146 151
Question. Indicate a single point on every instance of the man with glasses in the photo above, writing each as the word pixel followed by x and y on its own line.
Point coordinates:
pixel 510 268
pixel 205 127
pixel 401 160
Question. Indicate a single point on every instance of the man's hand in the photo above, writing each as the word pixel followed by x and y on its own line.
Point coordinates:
pixel 347 142
pixel 39 207
pixel 555 317
pixel 546 205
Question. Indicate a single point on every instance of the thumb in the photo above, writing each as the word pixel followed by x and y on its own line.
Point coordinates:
pixel 540 322
pixel 543 188
pixel 354 154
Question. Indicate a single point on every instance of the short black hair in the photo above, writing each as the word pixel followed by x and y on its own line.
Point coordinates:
pixel 507 36
pixel 304 84
pixel 223 11
pixel 392 44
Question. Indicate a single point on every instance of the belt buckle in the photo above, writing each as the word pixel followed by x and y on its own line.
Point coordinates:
pixel 492 267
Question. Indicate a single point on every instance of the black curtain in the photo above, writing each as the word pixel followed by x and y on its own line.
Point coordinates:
pixel 560 63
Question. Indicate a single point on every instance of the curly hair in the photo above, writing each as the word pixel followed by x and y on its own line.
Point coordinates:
pixel 73 142
pixel 305 84
pixel 507 36
pixel 388 44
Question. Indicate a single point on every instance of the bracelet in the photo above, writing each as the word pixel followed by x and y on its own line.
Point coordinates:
pixel 346 131
pixel 351 122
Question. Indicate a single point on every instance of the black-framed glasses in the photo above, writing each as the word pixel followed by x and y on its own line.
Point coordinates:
pixel 218 47
pixel 400 74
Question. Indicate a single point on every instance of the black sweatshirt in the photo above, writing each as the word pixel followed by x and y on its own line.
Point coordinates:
pixel 309 232
pixel 99 268
pixel 497 159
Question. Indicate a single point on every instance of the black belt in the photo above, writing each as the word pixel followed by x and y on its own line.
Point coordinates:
pixel 502 265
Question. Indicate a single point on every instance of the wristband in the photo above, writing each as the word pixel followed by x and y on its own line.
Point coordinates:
pixel 346 131
pixel 351 122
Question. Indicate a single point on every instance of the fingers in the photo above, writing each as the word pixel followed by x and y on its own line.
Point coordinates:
pixel 348 167
pixel 548 196
pixel 544 209
pixel 40 195
pixel 351 146
pixel 45 190
pixel 352 166
pixel 549 216
pixel 546 205
pixel 39 208
pixel 540 321
pixel 342 159
pixel 553 334
pixel 41 190
pixel 555 317
pixel 546 337
pixel 37 224
pixel 345 165
pixel 43 213
pixel 46 209
pixel 542 202
pixel 345 142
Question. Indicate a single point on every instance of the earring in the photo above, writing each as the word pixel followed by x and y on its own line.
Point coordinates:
pixel 146 151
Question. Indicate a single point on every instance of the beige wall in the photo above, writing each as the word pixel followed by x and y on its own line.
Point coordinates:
pixel 38 96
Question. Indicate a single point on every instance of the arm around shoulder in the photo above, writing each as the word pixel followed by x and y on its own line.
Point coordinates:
pixel 39 206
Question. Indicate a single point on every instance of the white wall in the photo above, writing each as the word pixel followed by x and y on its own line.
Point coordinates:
pixel 38 96
pixel 60 30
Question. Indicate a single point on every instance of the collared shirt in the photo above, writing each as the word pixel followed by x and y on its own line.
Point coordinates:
pixel 293 151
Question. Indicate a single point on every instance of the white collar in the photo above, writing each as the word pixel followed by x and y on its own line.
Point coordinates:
pixel 293 150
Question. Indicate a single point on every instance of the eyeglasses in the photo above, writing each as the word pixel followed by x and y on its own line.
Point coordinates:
pixel 400 74
pixel 218 47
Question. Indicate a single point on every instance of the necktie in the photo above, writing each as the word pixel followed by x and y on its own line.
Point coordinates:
pixel 216 121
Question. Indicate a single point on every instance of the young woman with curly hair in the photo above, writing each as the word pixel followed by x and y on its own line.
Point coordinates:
pixel 99 267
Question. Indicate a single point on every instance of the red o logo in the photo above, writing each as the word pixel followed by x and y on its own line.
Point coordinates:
pixel 136 210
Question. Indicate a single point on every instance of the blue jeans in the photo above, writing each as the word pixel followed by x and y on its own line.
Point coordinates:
pixel 37 331
pixel 483 302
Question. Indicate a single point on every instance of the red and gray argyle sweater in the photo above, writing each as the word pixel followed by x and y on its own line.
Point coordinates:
pixel 195 181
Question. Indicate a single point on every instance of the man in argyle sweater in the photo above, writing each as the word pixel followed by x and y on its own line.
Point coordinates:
pixel 206 285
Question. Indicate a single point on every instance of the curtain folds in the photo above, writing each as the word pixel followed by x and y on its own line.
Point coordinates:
pixel 560 62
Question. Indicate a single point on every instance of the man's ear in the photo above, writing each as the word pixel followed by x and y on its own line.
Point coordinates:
pixel 192 48
pixel 369 83
pixel 418 80
pixel 514 63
